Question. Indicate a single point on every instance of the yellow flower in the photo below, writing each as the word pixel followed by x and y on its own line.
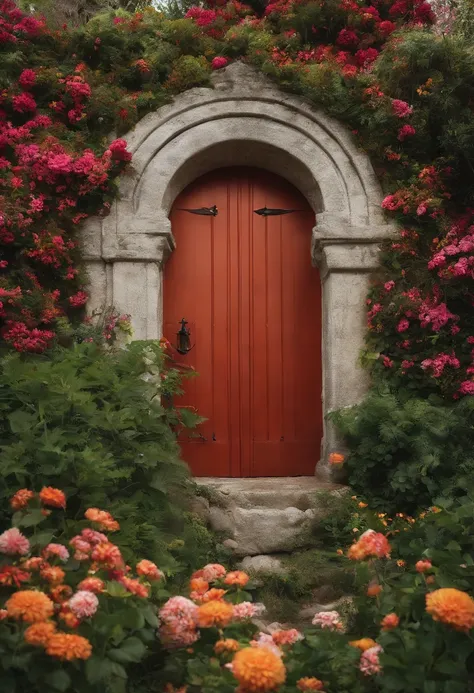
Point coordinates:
pixel 451 606
pixel 258 669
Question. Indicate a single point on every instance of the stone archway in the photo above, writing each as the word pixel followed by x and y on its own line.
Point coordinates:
pixel 245 120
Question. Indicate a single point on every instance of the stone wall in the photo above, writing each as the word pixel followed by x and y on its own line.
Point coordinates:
pixel 245 120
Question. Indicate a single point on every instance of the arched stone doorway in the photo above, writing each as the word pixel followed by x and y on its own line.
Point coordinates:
pixel 245 121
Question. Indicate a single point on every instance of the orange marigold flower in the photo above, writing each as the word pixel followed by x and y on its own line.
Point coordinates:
pixel 108 554
pixel 369 544
pixel 53 574
pixel 149 569
pixel 258 669
pixel 102 518
pixel 213 594
pixel 39 634
pixel 374 590
pixel 390 621
pixel 30 606
pixel 363 644
pixel 215 613
pixel 60 593
pixel 68 647
pixel 92 584
pixel 237 577
pixel 53 497
pixel 309 683
pixel 340 552
pixel 336 458
pixel 199 585
pixel 363 505
pixel 423 566
pixel 21 499
pixel 451 606
pixel 226 645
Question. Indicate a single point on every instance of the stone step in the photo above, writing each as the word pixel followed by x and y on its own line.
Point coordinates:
pixel 266 515
pixel 271 492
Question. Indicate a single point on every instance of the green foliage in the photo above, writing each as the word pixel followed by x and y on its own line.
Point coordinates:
pixel 406 452
pixel 94 423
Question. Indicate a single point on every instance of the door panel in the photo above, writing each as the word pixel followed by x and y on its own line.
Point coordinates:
pixel 245 284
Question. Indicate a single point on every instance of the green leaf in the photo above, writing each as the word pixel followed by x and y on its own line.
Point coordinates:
pixel 59 680
pixel 150 616
pixel 115 589
pixel 117 670
pixel 41 539
pixel 131 650
pixel 32 518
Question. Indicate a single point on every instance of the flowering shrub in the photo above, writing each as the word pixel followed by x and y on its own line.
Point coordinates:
pixel 412 629
pixel 73 616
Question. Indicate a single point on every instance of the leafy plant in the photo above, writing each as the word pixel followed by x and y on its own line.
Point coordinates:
pixel 98 424
pixel 407 452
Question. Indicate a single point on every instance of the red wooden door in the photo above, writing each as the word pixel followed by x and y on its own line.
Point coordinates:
pixel 252 300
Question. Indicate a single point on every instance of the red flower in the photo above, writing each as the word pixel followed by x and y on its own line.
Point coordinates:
pixel 24 102
pixel 347 37
pixel 218 62
pixel 406 131
pixel 119 150
pixel 27 78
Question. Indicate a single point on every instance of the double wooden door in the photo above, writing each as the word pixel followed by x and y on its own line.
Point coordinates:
pixel 244 283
